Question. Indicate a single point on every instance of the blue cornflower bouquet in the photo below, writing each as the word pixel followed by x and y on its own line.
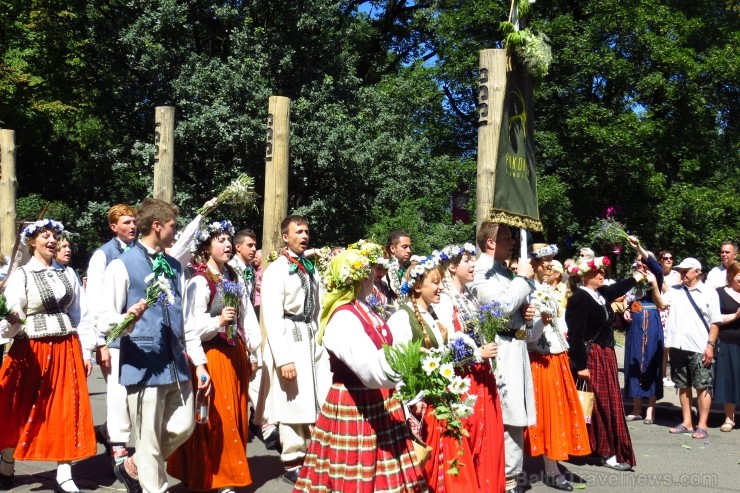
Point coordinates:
pixel 231 292
pixel 491 321
pixel 379 308
pixel 158 290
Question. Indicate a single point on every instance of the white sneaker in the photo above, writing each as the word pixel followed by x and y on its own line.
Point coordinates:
pixel 667 382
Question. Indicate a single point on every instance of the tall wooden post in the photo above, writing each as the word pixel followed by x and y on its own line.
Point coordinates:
pixel 276 173
pixel 492 91
pixel 164 152
pixel 8 185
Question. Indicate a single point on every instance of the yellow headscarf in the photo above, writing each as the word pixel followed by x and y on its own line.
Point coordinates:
pixel 351 267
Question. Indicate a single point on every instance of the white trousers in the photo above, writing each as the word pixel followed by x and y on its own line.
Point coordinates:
pixel 513 450
pixel 117 419
pixel 163 419
pixel 294 438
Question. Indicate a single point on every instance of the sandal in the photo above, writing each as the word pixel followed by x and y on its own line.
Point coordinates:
pixel 632 417
pixel 700 434
pixel 679 430
pixel 649 421
pixel 727 426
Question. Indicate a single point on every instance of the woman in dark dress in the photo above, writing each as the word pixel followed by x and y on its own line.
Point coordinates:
pixel 590 321
pixel 727 376
pixel 643 351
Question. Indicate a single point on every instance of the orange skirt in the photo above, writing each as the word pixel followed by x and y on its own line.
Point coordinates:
pixel 561 429
pixel 45 406
pixel 445 449
pixel 215 455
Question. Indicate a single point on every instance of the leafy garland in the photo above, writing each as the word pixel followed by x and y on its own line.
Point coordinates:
pixel 532 49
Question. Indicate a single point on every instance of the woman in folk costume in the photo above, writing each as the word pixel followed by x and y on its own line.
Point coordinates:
pixel 214 457
pixel 416 320
pixel 379 299
pixel 560 430
pixel 458 308
pixel 44 402
pixel 361 441
pixel 644 344
pixel 590 321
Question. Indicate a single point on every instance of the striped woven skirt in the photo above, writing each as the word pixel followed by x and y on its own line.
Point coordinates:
pixel 360 444
pixel 608 433
pixel 45 406
pixel 560 430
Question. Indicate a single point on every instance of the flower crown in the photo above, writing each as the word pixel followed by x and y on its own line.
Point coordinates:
pixel 357 270
pixel 372 251
pixel 204 234
pixel 34 228
pixel 417 271
pixel 586 266
pixel 546 251
pixel 451 252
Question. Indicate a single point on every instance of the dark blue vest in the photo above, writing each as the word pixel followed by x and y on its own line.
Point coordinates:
pixel 154 353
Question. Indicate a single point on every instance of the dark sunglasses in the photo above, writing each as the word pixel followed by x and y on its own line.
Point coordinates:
pixel 667 258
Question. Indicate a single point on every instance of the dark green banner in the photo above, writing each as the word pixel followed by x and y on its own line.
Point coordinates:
pixel 515 188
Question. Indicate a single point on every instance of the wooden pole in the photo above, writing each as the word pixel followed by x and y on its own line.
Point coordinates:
pixel 492 91
pixel 164 152
pixel 276 173
pixel 8 186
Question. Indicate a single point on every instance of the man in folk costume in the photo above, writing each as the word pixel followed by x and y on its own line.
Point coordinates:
pixel 493 283
pixel 153 364
pixel 398 249
pixel 114 433
pixel 245 245
pixel 296 376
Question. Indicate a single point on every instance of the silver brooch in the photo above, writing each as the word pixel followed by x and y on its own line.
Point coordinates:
pixel 49 273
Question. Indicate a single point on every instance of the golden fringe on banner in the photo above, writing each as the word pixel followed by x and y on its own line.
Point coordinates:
pixel 514 220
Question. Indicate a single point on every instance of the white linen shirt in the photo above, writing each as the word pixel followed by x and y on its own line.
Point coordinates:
pixel 684 329
pixel 113 306
pixel 346 339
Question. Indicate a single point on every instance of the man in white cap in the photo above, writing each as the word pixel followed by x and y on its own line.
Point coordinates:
pixel 691 338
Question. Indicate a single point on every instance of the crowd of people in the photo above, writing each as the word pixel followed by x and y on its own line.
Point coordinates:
pixel 173 322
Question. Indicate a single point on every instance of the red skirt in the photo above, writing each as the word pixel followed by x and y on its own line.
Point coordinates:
pixel 44 402
pixel 608 431
pixel 445 449
pixel 215 455
pixel 486 429
pixel 561 429
pixel 360 444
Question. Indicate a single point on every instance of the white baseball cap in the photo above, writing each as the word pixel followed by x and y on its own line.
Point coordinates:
pixel 688 263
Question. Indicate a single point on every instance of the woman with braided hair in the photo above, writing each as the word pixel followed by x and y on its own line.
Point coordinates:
pixel 458 309
pixel 416 320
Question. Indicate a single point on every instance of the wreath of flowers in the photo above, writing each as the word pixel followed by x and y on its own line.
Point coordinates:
pixel 417 271
pixel 372 251
pixel 451 252
pixel 545 251
pixel 348 274
pixel 34 228
pixel 204 234
pixel 586 266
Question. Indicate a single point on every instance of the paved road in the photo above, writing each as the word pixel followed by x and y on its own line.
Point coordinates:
pixel 665 463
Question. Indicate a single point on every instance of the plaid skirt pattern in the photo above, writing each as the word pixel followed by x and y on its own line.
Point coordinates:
pixel 608 433
pixel 360 444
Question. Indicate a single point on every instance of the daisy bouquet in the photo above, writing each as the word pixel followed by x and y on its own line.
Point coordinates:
pixel 231 292
pixel 238 192
pixel 545 300
pixel 158 290
pixel 431 375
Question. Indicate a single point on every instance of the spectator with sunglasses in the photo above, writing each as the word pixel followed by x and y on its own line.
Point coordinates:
pixel 671 277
